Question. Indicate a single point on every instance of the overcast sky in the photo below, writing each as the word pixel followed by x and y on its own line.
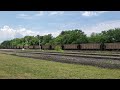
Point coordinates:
pixel 16 24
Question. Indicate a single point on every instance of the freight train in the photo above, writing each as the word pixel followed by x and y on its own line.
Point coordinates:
pixel 87 46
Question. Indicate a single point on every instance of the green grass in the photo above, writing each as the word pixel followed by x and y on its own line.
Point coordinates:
pixel 14 67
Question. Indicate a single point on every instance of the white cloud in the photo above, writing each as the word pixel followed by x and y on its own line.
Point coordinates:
pixel 56 13
pixel 24 16
pixel 97 28
pixel 8 33
pixel 88 29
pixel 87 13
pixel 39 13
pixel 92 13
pixel 54 34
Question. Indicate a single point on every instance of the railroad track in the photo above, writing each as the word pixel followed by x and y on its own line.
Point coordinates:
pixel 67 52
pixel 71 54
pixel 105 61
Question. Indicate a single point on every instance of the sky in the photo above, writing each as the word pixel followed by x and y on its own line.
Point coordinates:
pixel 17 24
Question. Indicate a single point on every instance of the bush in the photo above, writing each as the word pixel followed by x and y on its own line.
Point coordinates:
pixel 58 48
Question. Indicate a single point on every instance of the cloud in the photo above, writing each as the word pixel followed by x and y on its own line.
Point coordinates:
pixel 8 33
pixel 54 34
pixel 88 29
pixel 39 13
pixel 92 13
pixel 103 26
pixel 24 16
pixel 56 12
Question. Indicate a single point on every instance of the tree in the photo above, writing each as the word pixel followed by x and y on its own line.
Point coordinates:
pixel 47 39
pixel 71 37
pixel 110 36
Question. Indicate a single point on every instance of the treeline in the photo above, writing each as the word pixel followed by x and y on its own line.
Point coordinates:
pixel 66 37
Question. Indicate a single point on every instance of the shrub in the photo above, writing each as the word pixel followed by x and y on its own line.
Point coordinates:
pixel 58 48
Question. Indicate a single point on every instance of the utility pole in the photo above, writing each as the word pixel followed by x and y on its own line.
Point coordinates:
pixel 15 46
pixel 12 45
pixel 39 45
pixel 26 43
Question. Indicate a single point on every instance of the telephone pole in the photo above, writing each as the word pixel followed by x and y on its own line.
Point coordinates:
pixel 39 45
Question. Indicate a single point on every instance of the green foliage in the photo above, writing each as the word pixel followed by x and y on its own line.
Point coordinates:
pixel 66 37
pixel 96 38
pixel 110 36
pixel 58 48
pixel 71 37
pixel 46 39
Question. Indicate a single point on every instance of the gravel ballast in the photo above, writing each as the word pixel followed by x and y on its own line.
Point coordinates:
pixel 106 63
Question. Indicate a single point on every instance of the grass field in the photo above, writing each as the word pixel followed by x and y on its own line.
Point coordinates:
pixel 14 67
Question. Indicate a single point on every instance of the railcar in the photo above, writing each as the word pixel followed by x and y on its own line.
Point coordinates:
pixel 36 47
pixel 7 47
pixel 31 47
pixel 52 47
pixel 46 47
pixel 18 47
pixel 112 46
pixel 87 46
pixel 21 47
pixel 14 47
pixel 71 47
pixel 90 46
pixel 26 47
